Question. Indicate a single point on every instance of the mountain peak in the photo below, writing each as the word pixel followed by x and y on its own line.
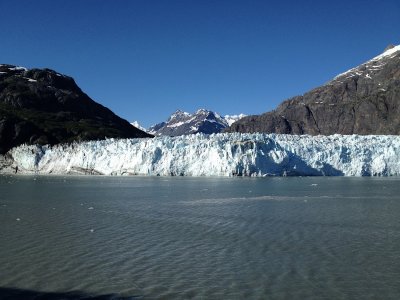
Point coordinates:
pixel 181 123
pixel 178 114
pixel 6 67
pixel 202 111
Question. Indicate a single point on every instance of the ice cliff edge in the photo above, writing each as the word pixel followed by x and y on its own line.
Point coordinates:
pixel 225 154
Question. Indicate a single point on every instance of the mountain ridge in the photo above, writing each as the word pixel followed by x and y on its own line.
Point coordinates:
pixel 201 121
pixel 42 106
pixel 362 100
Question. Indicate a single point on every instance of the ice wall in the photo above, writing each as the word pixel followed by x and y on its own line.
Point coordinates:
pixel 226 154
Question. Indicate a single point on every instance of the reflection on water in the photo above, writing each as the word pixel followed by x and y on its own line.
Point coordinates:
pixel 210 238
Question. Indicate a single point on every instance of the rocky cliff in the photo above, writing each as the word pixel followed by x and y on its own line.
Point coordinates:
pixel 363 100
pixel 41 106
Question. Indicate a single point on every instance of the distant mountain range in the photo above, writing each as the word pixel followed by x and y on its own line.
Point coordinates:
pixel 41 106
pixel 363 100
pixel 202 121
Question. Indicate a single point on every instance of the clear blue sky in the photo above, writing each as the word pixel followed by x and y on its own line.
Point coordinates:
pixel 145 59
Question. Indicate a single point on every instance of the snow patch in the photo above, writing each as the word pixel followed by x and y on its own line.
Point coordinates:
pixel 18 69
pixel 30 79
pixel 177 124
pixel 387 53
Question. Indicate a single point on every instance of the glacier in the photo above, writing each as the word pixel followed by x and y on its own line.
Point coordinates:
pixel 223 154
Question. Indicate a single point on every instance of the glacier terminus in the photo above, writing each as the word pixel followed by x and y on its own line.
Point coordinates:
pixel 223 154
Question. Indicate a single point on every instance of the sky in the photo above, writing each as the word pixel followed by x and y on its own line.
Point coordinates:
pixel 146 59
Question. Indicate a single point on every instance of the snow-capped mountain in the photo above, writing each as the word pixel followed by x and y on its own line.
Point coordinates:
pixel 223 154
pixel 362 100
pixel 137 125
pixel 202 121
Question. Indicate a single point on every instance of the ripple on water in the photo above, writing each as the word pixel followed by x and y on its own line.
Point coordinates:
pixel 159 239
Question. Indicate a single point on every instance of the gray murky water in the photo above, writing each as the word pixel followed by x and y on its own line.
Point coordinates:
pixel 199 238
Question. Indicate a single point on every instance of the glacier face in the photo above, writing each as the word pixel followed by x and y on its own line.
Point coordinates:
pixel 226 154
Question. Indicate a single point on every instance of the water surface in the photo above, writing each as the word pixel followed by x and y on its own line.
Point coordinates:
pixel 201 238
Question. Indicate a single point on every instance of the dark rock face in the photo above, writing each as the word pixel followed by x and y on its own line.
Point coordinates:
pixel 363 100
pixel 44 107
